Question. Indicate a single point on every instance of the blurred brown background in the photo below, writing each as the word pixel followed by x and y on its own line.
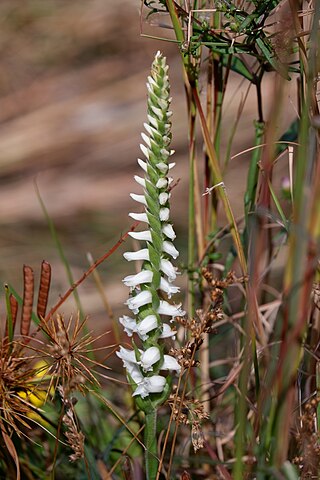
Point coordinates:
pixel 73 101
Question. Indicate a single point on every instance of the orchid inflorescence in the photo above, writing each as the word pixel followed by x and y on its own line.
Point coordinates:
pixel 157 274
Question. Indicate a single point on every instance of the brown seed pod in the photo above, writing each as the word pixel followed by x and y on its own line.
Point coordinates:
pixel 28 280
pixel 44 287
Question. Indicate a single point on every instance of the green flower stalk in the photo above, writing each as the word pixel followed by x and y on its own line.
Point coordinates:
pixel 154 281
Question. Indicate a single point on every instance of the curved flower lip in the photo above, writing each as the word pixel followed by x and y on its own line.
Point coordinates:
pixel 148 358
pixel 166 308
pixel 170 249
pixel 167 229
pixel 142 254
pixel 167 331
pixel 154 384
pixel 143 298
pixel 127 356
pixel 168 269
pixel 129 325
pixel 170 363
pixel 145 235
pixel 163 167
pixel 140 217
pixel 168 288
pixel 153 121
pixel 145 276
pixel 139 198
pixel 146 139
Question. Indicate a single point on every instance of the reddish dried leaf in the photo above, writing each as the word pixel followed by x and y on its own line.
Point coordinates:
pixel 44 287
pixel 28 279
pixel 12 450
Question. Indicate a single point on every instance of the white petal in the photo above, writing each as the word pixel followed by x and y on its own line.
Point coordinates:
pixel 162 182
pixel 153 122
pixel 167 331
pixel 139 198
pixel 154 384
pixel 142 254
pixel 164 214
pixel 141 181
pixel 146 325
pixel 163 167
pixel 145 276
pixel 168 231
pixel 134 371
pixel 140 217
pixel 145 235
pixel 150 129
pixel 129 325
pixel 144 150
pixel 170 249
pixel 134 303
pixel 171 165
pixel 168 269
pixel 170 363
pixel 165 153
pixel 168 288
pixel 157 111
pixel 146 139
pixel 127 355
pixel 163 198
pixel 162 103
pixel 166 308
pixel 149 358
pixel 142 164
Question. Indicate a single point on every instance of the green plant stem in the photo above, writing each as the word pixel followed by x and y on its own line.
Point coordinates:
pixel 150 441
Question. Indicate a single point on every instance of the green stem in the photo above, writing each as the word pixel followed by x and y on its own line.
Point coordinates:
pixel 150 441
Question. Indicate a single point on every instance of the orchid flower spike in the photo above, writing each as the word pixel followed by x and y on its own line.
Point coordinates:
pixel 157 252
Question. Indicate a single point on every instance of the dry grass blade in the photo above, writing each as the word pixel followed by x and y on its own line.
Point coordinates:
pixel 44 287
pixel 12 450
pixel 28 280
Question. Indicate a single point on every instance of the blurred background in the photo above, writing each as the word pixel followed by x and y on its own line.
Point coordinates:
pixel 72 106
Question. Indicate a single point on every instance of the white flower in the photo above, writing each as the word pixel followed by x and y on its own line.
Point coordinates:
pixel 162 183
pixel 163 167
pixel 158 112
pixel 145 276
pixel 145 235
pixel 139 198
pixel 142 164
pixel 168 231
pixel 168 288
pixel 140 217
pixel 146 325
pixel 142 254
pixel 151 130
pixel 134 303
pixel 149 358
pixel 167 332
pixel 146 139
pixel 154 384
pixel 145 152
pixel 141 181
pixel 153 121
pixel 127 356
pixel 135 373
pixel 170 249
pixel 129 325
pixel 166 308
pixel 164 214
pixel 168 269
pixel 170 363
pixel 163 198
